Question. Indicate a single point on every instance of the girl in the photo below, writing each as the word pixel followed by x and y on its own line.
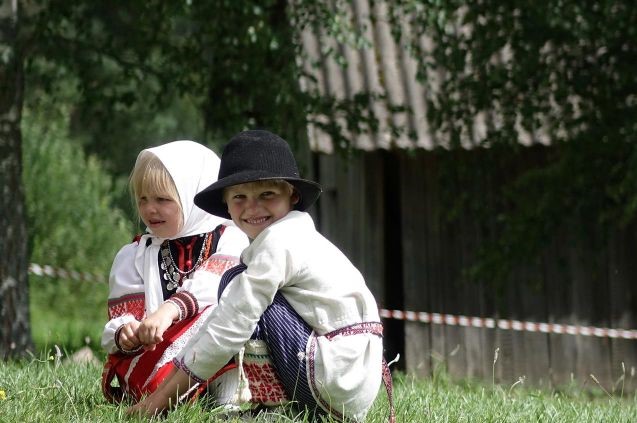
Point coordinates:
pixel 295 308
pixel 162 284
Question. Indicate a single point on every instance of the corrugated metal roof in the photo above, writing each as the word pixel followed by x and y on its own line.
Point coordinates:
pixel 387 69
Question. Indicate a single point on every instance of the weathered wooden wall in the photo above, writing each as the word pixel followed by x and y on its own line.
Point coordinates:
pixel 421 255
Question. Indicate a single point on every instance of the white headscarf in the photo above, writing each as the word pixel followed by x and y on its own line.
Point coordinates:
pixel 193 167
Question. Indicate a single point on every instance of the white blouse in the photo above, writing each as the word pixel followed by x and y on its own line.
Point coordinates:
pixel 128 295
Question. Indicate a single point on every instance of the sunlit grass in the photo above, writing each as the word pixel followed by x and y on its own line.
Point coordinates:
pixel 51 390
pixel 48 389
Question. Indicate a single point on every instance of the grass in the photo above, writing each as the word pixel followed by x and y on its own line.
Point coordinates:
pixel 50 390
pixel 70 314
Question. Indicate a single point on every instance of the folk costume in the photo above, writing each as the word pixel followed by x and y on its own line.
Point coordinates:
pixel 296 308
pixel 184 270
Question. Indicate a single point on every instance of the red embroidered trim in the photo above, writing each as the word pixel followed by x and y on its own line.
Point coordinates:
pixel 264 383
pixel 218 264
pixel 128 304
pixel 181 364
pixel 187 303
pixel 180 306
pixel 134 351
pixel 390 388
pixel 375 328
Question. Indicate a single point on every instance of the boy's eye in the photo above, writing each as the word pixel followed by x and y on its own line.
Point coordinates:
pixel 238 197
pixel 267 194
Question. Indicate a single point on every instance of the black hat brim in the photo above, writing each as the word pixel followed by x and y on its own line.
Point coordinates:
pixel 211 198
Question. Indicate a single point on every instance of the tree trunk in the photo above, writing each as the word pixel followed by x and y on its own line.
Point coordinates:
pixel 15 335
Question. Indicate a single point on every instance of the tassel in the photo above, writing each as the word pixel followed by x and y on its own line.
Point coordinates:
pixel 395 360
pixel 242 395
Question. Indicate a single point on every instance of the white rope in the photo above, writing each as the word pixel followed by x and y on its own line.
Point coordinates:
pixel 507 324
pixel 55 272
pixel 411 316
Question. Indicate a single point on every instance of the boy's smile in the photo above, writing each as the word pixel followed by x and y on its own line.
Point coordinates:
pixel 254 206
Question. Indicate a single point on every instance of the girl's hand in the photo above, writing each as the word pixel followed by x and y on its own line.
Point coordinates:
pixel 128 339
pixel 176 384
pixel 151 330
pixel 151 406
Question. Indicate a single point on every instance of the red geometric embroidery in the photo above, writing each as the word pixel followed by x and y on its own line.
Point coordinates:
pixel 128 304
pixel 265 386
pixel 219 264
pixel 375 328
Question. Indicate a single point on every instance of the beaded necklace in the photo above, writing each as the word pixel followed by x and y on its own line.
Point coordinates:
pixel 172 273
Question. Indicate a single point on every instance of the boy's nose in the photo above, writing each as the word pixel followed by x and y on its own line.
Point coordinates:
pixel 252 203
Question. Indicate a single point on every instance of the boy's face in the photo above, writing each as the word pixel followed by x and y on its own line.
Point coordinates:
pixel 254 206
pixel 161 214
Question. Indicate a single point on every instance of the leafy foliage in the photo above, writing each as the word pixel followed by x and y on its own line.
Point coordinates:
pixel 72 225
pixel 69 202
pixel 231 64
pixel 557 72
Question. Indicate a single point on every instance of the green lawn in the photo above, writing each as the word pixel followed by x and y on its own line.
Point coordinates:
pixel 50 390
pixel 71 314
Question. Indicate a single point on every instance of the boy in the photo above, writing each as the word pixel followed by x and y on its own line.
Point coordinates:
pixel 295 293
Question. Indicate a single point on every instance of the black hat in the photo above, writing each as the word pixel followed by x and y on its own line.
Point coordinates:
pixel 256 155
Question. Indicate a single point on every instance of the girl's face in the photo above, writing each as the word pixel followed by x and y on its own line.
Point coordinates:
pixel 255 206
pixel 161 214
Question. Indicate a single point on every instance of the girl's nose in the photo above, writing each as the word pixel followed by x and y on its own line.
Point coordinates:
pixel 150 207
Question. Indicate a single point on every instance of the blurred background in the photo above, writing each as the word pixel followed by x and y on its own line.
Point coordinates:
pixel 477 159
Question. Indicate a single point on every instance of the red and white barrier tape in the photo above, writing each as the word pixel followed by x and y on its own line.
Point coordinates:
pixel 482 322
pixel 55 272
pixel 412 316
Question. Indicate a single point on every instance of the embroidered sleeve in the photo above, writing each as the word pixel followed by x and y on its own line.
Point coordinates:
pixel 186 303
pixel 126 299
pixel 180 364
pixel 126 287
pixel 205 283
pixel 218 263
pixel 132 304
pixel 119 347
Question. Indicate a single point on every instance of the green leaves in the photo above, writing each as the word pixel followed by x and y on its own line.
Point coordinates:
pixel 558 71
pixel 73 225
pixel 71 219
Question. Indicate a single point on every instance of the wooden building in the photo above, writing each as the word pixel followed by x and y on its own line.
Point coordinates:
pixel 385 208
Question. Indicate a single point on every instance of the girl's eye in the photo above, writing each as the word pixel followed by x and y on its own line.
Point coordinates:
pixel 238 197
pixel 267 194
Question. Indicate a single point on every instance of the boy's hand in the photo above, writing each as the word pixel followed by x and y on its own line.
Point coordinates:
pixel 151 330
pixel 128 339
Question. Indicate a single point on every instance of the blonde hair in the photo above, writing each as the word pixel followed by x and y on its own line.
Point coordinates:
pixel 151 178
pixel 265 183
